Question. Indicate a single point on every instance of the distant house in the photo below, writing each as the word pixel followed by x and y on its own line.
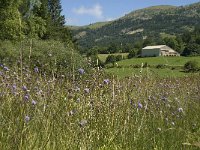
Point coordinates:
pixel 158 50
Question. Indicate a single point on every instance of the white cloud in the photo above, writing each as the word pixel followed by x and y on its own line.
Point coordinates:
pixel 95 10
pixel 70 21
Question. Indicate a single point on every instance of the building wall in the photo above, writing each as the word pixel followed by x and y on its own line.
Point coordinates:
pixel 150 52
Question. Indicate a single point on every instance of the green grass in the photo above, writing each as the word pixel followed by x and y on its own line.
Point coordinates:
pixel 133 113
pixel 171 61
pixel 126 68
pixel 103 57
pixel 150 72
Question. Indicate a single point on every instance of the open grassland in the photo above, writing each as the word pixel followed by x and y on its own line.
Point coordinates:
pixel 97 112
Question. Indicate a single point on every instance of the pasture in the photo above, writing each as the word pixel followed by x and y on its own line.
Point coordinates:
pixel 103 57
pixel 96 111
pixel 173 66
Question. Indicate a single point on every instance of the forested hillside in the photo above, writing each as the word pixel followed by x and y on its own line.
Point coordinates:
pixel 152 24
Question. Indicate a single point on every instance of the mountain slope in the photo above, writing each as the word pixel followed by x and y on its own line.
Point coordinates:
pixel 139 24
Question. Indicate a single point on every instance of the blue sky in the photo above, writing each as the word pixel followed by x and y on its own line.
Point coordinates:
pixel 84 12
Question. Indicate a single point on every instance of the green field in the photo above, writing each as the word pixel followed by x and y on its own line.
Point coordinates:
pixel 171 61
pixel 103 57
pixel 125 67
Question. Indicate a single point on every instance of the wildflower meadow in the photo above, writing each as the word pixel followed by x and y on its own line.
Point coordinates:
pixel 97 111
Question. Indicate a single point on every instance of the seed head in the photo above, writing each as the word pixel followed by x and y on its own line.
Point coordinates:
pixel 180 109
pixel 86 90
pixel 82 123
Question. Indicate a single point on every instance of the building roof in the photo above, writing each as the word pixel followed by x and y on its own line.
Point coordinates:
pixel 153 47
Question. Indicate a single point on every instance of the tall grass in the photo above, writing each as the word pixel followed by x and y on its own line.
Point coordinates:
pixel 97 112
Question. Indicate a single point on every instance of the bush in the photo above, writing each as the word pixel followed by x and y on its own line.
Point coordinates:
pixel 131 54
pixel 111 59
pixel 119 57
pixel 191 66
pixel 161 66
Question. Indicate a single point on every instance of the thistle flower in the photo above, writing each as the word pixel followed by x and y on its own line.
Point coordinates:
pixel 81 71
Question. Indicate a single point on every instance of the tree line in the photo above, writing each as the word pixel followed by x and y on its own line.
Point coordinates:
pixel 187 44
pixel 41 19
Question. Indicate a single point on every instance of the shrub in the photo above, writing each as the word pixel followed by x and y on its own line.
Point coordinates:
pixel 131 54
pixel 111 59
pixel 145 65
pixel 119 57
pixel 161 66
pixel 191 66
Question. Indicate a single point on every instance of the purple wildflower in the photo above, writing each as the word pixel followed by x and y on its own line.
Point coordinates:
pixel 24 88
pixel 27 118
pixel 33 102
pixel 140 105
pixel 36 69
pixel 6 68
pixel 81 71
pixel 106 81
pixel 14 87
pixel 26 97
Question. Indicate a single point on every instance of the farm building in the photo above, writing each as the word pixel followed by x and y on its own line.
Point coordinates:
pixel 158 50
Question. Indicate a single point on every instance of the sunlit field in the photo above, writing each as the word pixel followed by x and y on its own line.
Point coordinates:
pixel 96 111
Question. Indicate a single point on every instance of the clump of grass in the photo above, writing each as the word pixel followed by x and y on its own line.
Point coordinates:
pixel 97 112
